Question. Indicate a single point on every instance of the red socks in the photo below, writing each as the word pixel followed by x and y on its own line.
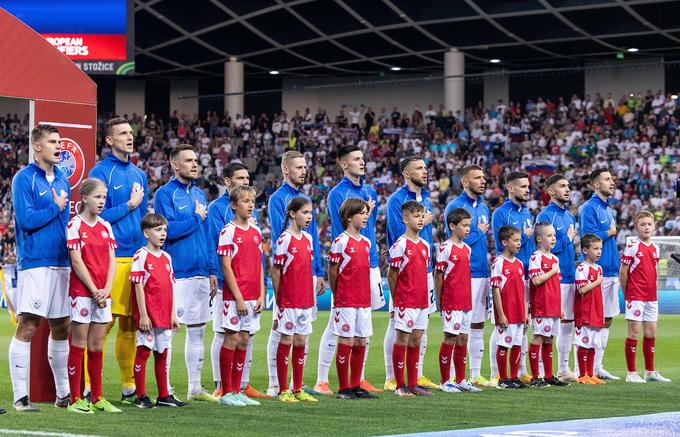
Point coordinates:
pixel 237 369
pixel 75 371
pixel 631 349
pixel 534 350
pixel 412 357
pixel 141 357
pixel 94 369
pixel 398 361
pixel 298 366
pixel 546 354
pixel 282 365
pixel 502 362
pixel 342 358
pixel 515 356
pixel 648 351
pixel 459 356
pixel 445 352
pixel 582 355
pixel 357 365
pixel 226 364
pixel 591 362
pixel 161 370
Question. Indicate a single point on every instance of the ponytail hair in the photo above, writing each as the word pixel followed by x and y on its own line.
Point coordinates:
pixel 88 187
pixel 295 205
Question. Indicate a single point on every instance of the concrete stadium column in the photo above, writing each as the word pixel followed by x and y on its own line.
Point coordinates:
pixel 454 87
pixel 233 83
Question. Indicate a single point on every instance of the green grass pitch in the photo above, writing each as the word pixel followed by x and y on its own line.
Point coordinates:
pixel 386 415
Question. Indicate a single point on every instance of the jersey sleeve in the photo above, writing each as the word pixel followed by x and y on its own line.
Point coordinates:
pixel 442 256
pixel 281 253
pixel 112 238
pixel 496 273
pixel 337 248
pixel 535 265
pixel 73 241
pixel 225 246
pixel 429 253
pixel 172 270
pixel 581 277
pixel 629 253
pixel 137 271
pixel 397 254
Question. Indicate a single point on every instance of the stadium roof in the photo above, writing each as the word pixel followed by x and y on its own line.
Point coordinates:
pixel 359 37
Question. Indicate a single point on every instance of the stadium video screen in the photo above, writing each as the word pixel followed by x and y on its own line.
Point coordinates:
pixel 97 35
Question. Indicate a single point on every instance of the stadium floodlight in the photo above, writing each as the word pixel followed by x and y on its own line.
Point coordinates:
pixel 495 60
pixel 674 96
pixel 395 68
pixel 633 50
pixel 274 72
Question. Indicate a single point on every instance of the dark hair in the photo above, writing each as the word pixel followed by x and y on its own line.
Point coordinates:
pixel 456 216
pixel 180 148
pixel 505 232
pixel 351 207
pixel 295 205
pixel 538 228
pixel 468 168
pixel 234 194
pixel 346 150
pixel 41 130
pixel 555 179
pixel 108 126
pixel 516 175
pixel 411 206
pixel 588 239
pixel 597 172
pixel 152 220
pixel 407 160
pixel 231 168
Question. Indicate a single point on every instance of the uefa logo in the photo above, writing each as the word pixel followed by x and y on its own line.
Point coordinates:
pixel 71 161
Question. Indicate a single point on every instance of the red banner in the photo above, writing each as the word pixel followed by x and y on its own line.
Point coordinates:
pixel 89 46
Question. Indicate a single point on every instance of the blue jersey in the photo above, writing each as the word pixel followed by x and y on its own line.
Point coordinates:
pixel 121 177
pixel 278 202
pixel 187 241
pixel 511 214
pixel 479 264
pixel 561 219
pixel 595 217
pixel 395 221
pixel 346 189
pixel 219 214
pixel 40 226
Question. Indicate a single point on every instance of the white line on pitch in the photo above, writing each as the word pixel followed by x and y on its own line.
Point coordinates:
pixel 73 125
pixel 41 433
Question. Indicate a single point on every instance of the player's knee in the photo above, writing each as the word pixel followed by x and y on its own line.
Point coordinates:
pixel 360 341
pixel 462 339
pixel 60 328
pixel 607 322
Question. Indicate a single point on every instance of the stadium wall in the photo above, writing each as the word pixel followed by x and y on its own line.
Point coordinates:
pixel 496 87
pixel 624 77
pixel 130 97
pixel 183 88
pixel 9 105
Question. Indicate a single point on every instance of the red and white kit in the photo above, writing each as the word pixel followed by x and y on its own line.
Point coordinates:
pixel 352 296
pixel 295 297
pixel 641 291
pixel 411 294
pixel 244 247
pixel 588 308
pixel 155 273
pixel 454 263
pixel 508 275
pixel 546 299
pixel 94 241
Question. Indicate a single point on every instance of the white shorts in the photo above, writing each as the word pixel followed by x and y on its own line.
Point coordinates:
pixel 567 292
pixel 480 300
pixel 510 336
pixel 352 322
pixel 294 321
pixel 233 322
pixel 610 295
pixel 545 326
pixel 456 322
pixel 377 292
pixel 43 291
pixel 217 312
pixel 158 339
pixel 642 311
pixel 192 300
pixel 432 294
pixel 410 319
pixel 587 337
pixel 85 310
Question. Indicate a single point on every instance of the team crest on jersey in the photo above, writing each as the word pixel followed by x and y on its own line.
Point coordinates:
pixel 456 326
pixel 585 340
pixel 508 339
pixel 84 312
pixel 637 313
pixel 71 161
pixel 289 325
pixel 105 235
pixel 233 320
pixel 302 318
pixel 180 312
pixel 547 328
pixel 36 303
pixel 409 324
pixel 345 327
pixel 149 337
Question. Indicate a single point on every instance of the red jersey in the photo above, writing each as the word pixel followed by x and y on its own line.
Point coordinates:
pixel 94 243
pixel 588 308
pixel 411 259
pixel 454 262
pixel 295 255
pixel 244 247
pixel 509 277
pixel 353 286
pixel 546 299
pixel 155 273
pixel 642 260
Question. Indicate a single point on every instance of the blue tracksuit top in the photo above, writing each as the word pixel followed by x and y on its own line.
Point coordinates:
pixel 561 219
pixel 40 226
pixel 395 221
pixel 519 216
pixel 120 177
pixel 346 189
pixel 479 265
pixel 595 217
pixel 187 241
pixel 278 202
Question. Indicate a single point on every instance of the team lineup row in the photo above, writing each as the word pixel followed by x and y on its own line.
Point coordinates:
pixel 179 258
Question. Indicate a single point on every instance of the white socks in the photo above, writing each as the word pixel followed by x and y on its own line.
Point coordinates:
pixel 493 345
pixel 523 354
pixel 329 342
pixel 194 351
pixel 171 389
pixel 57 355
pixel 19 357
pixel 476 351
pixel 599 350
pixel 423 348
pixel 272 346
pixel 363 369
pixel 245 379
pixel 215 347
pixel 388 345
pixel 565 339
